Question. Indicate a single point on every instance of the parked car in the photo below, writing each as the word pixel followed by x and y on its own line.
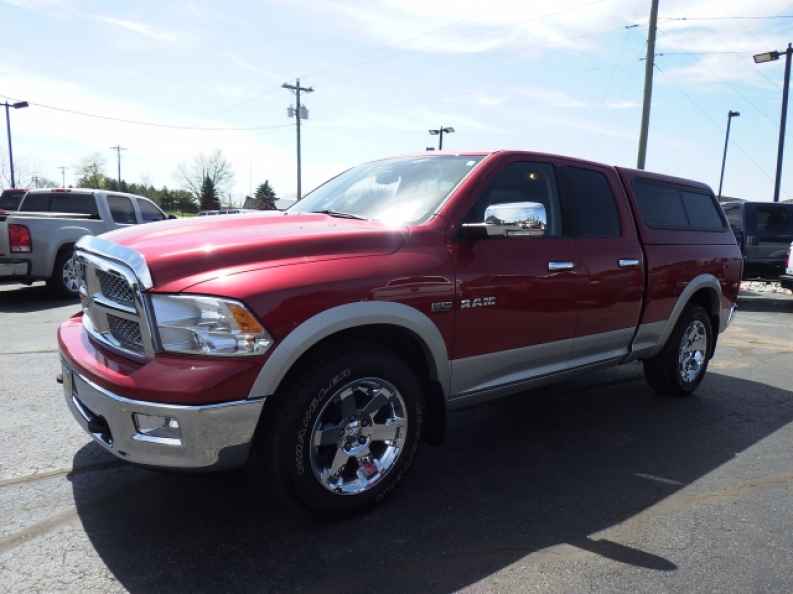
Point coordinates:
pixel 764 231
pixel 10 199
pixel 37 241
pixel 322 344
pixel 223 211
pixel 787 279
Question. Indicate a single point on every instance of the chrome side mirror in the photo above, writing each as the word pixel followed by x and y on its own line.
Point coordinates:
pixel 511 219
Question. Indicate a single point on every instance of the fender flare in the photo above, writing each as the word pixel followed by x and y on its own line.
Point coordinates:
pixel 343 317
pixel 702 281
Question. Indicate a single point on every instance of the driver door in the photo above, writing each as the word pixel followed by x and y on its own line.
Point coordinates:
pixel 516 283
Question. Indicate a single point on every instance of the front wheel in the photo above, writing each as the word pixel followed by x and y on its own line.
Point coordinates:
pixel 345 433
pixel 679 368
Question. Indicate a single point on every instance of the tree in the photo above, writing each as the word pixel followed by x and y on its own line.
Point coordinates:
pixel 214 167
pixel 209 195
pixel 265 197
pixel 91 173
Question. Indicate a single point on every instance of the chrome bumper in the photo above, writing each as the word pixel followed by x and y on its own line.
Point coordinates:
pixel 212 436
pixel 727 314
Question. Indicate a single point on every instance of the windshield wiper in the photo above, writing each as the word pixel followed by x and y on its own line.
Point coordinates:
pixel 338 214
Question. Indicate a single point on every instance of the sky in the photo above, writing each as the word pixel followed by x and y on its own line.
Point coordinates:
pixel 562 77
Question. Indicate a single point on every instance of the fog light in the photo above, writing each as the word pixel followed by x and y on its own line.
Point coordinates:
pixel 156 426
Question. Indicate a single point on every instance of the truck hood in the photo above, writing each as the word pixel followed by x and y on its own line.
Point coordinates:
pixel 181 253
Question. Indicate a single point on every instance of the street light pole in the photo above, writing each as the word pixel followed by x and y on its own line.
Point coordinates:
pixel 770 57
pixel 731 114
pixel 439 133
pixel 17 105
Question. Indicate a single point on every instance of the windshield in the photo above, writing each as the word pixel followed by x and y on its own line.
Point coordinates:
pixel 397 191
pixel 10 199
pixel 772 220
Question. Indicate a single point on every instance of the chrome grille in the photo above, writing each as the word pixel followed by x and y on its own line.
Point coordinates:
pixel 115 312
pixel 115 287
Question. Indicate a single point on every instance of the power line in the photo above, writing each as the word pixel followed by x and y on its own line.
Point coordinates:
pixel 151 124
pixel 730 18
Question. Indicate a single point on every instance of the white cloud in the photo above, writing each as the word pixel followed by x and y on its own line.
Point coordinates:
pixel 140 29
pixel 625 104
pixel 552 97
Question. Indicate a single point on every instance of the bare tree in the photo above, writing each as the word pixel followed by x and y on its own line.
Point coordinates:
pixel 24 173
pixel 90 172
pixel 214 167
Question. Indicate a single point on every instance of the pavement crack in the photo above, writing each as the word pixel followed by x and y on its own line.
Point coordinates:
pixel 40 476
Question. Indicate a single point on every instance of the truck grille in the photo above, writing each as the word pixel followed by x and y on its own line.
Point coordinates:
pixel 114 310
pixel 126 332
pixel 115 288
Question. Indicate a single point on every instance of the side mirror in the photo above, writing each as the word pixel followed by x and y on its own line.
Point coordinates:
pixel 172 216
pixel 509 220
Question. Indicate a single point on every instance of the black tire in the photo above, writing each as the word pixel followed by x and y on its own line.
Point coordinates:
pixel 282 457
pixel 664 371
pixel 58 284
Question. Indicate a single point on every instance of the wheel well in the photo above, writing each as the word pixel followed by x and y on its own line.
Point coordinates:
pixel 61 249
pixel 404 344
pixel 709 299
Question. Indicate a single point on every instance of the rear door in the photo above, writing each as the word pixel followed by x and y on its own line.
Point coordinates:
pixel 122 210
pixel 596 217
pixel 769 233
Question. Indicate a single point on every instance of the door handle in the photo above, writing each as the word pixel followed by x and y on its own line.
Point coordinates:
pixel 628 262
pixel 557 265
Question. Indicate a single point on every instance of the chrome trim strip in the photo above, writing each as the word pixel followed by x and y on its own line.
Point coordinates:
pixel 130 258
pixel 628 262
pixel 556 266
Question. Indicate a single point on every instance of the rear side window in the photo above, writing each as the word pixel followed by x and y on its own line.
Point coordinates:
pixel 121 210
pixel 84 204
pixel 10 199
pixel 665 206
pixel 588 205
pixel 772 220
pixel 36 203
pixel 149 212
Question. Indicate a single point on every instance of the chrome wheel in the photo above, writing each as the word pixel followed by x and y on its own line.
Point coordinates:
pixel 358 436
pixel 70 274
pixel 693 351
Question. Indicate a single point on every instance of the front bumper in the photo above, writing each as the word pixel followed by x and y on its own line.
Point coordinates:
pixel 786 280
pixel 213 436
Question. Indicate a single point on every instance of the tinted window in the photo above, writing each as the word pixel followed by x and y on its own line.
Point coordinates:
pixel 10 199
pixel 734 214
pixel 588 206
pixel 36 203
pixel 660 205
pixel 772 220
pixel 702 211
pixel 84 204
pixel 521 183
pixel 149 212
pixel 121 210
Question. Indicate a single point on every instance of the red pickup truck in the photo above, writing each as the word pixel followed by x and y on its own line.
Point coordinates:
pixel 320 345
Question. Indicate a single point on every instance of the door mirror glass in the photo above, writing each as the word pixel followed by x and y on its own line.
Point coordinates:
pixel 510 219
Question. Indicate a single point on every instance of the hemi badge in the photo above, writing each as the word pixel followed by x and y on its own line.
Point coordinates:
pixel 442 306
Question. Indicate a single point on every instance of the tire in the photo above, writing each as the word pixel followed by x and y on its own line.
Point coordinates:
pixel 64 281
pixel 673 373
pixel 349 400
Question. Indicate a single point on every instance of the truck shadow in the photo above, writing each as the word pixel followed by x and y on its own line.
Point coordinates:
pixel 781 304
pixel 30 299
pixel 552 466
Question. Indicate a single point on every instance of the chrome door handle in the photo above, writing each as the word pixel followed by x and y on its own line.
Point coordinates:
pixel 557 265
pixel 628 262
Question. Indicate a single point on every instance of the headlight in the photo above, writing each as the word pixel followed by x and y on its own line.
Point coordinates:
pixel 208 326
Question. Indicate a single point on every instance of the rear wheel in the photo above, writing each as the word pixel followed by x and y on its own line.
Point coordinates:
pixel 65 279
pixel 679 368
pixel 344 434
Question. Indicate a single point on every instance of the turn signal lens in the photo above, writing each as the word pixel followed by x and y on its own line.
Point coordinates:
pixel 19 240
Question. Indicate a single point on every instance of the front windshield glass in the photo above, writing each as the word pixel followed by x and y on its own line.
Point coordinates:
pixel 395 191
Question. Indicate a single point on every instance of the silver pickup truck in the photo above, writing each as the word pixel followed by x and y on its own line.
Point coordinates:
pixel 37 240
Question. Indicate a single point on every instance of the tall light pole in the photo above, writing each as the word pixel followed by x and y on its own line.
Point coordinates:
pixel 730 114
pixel 770 57
pixel 17 105
pixel 439 132
pixel 649 68
pixel 299 113
pixel 118 148
pixel 63 169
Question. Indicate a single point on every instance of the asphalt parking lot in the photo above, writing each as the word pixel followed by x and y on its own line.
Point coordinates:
pixel 590 486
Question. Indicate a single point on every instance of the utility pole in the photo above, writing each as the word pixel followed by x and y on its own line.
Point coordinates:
pixel 649 67
pixel 63 169
pixel 782 124
pixel 439 132
pixel 731 114
pixel 118 149
pixel 299 113
pixel 17 105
